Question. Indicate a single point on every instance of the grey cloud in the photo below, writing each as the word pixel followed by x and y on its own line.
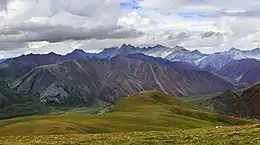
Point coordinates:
pixel 214 41
pixel 60 21
pixel 6 46
pixel 32 32
pixel 180 36
pixel 3 4
pixel 210 34
pixel 249 13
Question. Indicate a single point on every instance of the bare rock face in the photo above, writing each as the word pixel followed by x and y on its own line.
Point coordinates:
pixel 53 91
pixel 84 81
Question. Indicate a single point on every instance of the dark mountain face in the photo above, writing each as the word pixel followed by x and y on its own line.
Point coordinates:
pixel 14 104
pixel 251 76
pixel 251 98
pixel 243 104
pixel 108 52
pixel 25 63
pixel 228 103
pixel 86 81
pixel 245 70
pixel 214 62
pixel 77 54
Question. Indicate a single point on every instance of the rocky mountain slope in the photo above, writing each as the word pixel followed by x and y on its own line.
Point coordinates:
pixel 25 63
pixel 241 104
pixel 87 81
pixel 214 62
pixel 244 70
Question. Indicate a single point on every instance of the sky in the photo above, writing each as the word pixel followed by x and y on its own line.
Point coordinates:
pixel 60 26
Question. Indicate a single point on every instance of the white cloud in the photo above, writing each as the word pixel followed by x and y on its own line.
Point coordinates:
pixel 61 25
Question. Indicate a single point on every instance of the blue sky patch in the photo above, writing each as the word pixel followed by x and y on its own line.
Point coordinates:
pixel 195 15
pixel 134 5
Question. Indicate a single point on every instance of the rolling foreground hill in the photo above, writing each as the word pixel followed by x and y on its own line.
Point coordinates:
pixel 84 82
pixel 145 111
pixel 238 135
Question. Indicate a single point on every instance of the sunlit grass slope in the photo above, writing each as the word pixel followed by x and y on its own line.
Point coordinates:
pixel 237 135
pixel 145 111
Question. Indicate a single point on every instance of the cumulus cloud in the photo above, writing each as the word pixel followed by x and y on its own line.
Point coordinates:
pixel 3 4
pixel 59 21
pixel 210 34
pixel 30 32
pixel 61 25
pixel 213 41
pixel 179 37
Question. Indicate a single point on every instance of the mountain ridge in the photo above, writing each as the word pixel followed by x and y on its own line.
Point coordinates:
pixel 211 62
pixel 246 70
pixel 117 77
pixel 241 103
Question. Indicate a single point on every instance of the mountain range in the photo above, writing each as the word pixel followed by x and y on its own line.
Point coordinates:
pixel 217 63
pixel 178 53
pixel 88 81
pixel 80 79
pixel 209 62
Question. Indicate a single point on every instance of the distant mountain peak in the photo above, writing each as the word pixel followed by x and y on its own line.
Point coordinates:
pixel 234 50
pixel 110 48
pixel 51 53
pixel 179 48
pixel 126 45
pixel 78 50
pixel 255 50
pixel 158 45
pixel 196 51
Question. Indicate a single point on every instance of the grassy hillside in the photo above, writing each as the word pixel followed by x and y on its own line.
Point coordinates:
pixel 238 135
pixel 146 111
